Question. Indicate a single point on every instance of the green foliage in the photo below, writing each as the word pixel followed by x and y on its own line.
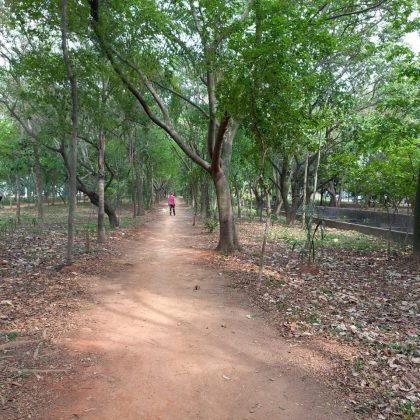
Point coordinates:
pixel 210 224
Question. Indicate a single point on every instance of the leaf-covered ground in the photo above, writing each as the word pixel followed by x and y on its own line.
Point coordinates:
pixel 362 305
pixel 39 296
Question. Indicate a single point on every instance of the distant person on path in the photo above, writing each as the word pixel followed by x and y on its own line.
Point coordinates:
pixel 171 203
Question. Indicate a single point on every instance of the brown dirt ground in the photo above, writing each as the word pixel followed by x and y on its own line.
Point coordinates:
pixel 168 338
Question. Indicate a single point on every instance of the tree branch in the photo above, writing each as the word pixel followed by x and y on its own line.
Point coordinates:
pixel 168 128
pixel 358 12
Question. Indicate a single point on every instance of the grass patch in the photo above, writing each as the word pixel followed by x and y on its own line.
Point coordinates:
pixel 295 237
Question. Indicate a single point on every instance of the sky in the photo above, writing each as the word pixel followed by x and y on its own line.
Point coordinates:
pixel 413 39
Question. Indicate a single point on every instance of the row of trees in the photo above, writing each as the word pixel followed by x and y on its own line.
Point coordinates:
pixel 217 99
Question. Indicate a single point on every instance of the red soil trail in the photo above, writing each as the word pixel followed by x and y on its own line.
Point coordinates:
pixel 168 351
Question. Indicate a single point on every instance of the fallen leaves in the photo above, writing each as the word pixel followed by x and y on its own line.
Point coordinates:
pixel 361 299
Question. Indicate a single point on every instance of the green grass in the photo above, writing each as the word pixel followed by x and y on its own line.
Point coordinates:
pixel 313 318
pixel 295 237
pixel 55 218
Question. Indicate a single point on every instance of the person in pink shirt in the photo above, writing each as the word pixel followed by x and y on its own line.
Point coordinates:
pixel 171 203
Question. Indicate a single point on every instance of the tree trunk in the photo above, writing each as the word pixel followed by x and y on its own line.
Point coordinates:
pixel 228 240
pixel 18 198
pixel 305 188
pixel 332 192
pixel 53 194
pixel 238 199
pixel 318 160
pixel 134 191
pixel 94 199
pixel 205 199
pixel 416 227
pixel 140 194
pixel 291 214
pixel 101 187
pixel 260 203
pixel 140 185
pixel 38 182
pixel 266 229
pixel 340 197
pixel 73 144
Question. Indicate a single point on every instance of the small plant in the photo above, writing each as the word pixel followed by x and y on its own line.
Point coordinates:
pixel 210 225
pixel 327 291
pixel 12 335
pixel 407 410
pixel 358 364
pixel 273 282
pixel 312 318
pixel 281 306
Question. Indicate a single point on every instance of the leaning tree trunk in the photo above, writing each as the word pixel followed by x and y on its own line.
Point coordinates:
pixel 228 240
pixel 94 199
pixel 416 228
pixel 101 187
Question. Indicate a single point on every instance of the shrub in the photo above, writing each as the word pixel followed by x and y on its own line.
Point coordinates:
pixel 210 225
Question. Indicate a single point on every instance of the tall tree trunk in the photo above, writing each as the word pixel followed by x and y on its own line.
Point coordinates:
pixel 238 199
pixel 38 182
pixel 305 188
pixel 264 243
pixel 332 192
pixel 72 167
pixel 260 203
pixel 318 160
pixel 101 187
pixel 53 194
pixel 18 198
pixel 140 184
pixel 140 193
pixel 134 192
pixel 293 208
pixel 228 240
pixel 205 199
pixel 416 227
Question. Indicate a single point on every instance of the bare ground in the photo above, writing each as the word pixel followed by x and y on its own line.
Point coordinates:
pixel 166 337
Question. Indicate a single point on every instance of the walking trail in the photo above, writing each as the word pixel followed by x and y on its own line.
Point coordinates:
pixel 168 351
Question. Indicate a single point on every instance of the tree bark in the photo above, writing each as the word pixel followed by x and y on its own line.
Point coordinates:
pixel 264 243
pixel 101 187
pixel 38 182
pixel 238 200
pixel 305 188
pixel 228 240
pixel 416 222
pixel 72 167
pixel 18 198
pixel 332 192
pixel 140 184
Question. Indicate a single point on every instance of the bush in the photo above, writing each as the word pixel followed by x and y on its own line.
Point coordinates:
pixel 210 225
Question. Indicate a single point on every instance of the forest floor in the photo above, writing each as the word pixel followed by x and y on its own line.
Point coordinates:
pixel 156 325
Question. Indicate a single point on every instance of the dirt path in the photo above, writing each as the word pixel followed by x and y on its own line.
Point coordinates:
pixel 168 351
